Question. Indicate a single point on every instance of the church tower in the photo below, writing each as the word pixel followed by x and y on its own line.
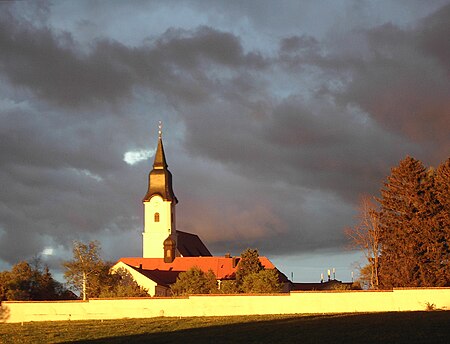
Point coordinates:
pixel 159 207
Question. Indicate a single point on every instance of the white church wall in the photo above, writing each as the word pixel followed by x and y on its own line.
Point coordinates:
pixel 139 278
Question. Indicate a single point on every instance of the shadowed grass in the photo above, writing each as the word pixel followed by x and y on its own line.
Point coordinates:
pixel 404 327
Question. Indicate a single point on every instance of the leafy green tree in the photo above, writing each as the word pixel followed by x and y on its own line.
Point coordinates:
pixel 31 282
pixel 228 287
pixel 88 274
pixel 195 281
pixel 252 277
pixel 44 286
pixel 84 273
pixel 121 284
pixel 4 278
pixel 263 281
pixel 20 283
pixel 249 263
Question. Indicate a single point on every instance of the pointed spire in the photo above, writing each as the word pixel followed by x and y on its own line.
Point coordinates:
pixel 160 158
pixel 160 178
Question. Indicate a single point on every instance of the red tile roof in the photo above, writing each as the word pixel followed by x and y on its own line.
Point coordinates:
pixel 221 266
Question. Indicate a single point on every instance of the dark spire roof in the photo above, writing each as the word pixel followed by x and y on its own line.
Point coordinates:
pixel 160 178
pixel 190 245
pixel 160 157
pixel 169 241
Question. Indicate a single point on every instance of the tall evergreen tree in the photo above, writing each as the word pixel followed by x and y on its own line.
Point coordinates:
pixel 442 186
pixel 409 233
pixel 399 223
pixel 442 191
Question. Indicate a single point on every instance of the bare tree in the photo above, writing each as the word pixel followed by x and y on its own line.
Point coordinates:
pixel 365 236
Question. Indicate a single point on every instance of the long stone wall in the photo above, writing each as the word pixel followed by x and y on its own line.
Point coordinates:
pixel 225 305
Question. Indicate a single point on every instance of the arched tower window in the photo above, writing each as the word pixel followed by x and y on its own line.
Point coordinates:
pixel 156 217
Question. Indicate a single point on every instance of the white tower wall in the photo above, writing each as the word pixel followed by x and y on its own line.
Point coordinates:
pixel 155 232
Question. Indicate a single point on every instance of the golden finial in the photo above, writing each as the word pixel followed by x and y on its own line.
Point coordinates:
pixel 159 129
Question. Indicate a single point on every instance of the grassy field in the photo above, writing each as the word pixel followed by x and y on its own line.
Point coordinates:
pixel 405 327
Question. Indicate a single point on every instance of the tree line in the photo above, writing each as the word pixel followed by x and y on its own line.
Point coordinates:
pixel 86 273
pixel 31 281
pixel 91 277
pixel 251 277
pixel 405 233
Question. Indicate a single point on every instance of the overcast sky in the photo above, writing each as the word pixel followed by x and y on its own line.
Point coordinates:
pixel 278 116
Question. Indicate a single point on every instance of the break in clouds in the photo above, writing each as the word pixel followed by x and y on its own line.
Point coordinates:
pixel 274 125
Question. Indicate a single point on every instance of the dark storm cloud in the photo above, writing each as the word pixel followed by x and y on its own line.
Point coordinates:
pixel 370 109
pixel 190 49
pixel 62 179
pixel 54 66
pixel 313 143
pixel 63 169
pixel 48 64
pixel 400 77
pixel 334 148
pixel 432 35
pixel 269 149
pixel 405 88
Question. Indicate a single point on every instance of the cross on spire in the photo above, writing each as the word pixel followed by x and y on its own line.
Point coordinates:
pixel 159 129
pixel 160 159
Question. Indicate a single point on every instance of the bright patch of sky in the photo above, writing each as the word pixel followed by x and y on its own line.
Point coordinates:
pixel 4 265
pixel 133 157
pixel 87 173
pixel 48 251
pixel 309 267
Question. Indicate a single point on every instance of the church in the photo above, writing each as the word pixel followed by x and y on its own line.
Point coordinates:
pixel 166 251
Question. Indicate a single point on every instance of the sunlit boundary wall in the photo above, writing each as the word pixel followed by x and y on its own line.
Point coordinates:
pixel 225 305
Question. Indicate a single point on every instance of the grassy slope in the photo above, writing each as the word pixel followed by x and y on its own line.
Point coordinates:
pixel 407 327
